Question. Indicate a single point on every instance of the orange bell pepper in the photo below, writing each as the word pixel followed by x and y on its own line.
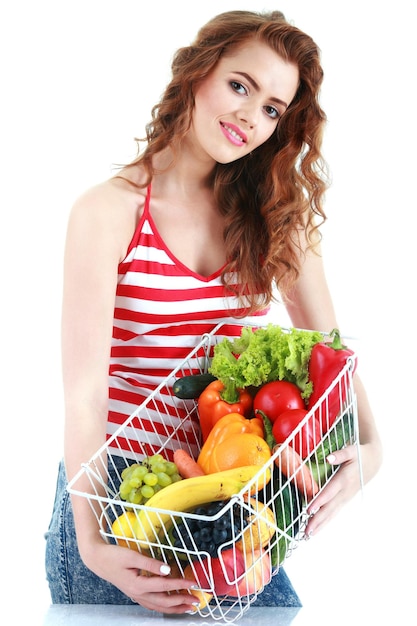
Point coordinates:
pixel 229 425
pixel 212 407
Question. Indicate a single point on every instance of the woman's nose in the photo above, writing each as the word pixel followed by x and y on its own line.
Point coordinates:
pixel 249 116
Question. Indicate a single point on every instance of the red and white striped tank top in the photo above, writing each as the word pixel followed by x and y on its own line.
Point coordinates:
pixel 162 310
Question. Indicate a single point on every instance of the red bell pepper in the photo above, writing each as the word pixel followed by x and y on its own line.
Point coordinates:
pixel 212 406
pixel 327 361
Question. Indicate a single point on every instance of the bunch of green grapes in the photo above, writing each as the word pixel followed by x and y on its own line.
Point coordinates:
pixel 141 481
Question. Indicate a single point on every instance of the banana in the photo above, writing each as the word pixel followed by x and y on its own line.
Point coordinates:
pixel 189 493
pixel 261 527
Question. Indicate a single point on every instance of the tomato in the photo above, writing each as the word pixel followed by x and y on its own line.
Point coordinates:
pixel 276 397
pixel 306 439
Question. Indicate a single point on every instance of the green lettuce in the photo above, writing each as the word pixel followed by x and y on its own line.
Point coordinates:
pixel 264 354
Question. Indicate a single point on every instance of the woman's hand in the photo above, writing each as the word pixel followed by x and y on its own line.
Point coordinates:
pixel 343 486
pixel 144 580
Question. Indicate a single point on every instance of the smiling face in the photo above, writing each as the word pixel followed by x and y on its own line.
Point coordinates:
pixel 237 107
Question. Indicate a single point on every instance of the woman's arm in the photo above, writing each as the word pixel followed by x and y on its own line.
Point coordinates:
pixel 311 307
pixel 100 227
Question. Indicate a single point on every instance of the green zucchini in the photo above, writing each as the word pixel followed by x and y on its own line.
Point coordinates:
pixel 288 515
pixel 190 387
pixel 287 506
pixel 335 439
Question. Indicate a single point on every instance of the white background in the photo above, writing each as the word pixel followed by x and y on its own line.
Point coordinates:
pixel 78 81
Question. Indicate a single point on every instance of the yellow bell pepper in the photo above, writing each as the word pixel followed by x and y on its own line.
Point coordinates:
pixel 229 425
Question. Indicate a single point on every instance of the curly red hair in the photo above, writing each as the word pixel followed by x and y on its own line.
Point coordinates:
pixel 267 197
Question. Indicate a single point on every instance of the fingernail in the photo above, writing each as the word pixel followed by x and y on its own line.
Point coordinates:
pixel 195 587
pixel 164 570
pixel 308 534
pixel 193 611
pixel 331 458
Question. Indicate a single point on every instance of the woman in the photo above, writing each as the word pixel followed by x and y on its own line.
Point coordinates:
pixel 220 209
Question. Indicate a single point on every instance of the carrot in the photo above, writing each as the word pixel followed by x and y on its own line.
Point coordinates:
pixel 293 467
pixel 187 466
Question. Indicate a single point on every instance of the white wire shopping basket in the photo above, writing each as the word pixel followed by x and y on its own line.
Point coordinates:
pixel 271 505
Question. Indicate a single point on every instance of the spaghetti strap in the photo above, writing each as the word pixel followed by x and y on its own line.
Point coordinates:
pixel 143 218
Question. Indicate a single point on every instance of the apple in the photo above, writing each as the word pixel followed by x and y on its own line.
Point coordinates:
pixel 229 566
pixel 258 573
pixel 203 597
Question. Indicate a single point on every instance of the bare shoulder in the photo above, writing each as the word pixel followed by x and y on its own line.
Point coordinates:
pixel 113 196
pixel 110 210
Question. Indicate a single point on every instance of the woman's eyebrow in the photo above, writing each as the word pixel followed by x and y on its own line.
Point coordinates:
pixel 256 86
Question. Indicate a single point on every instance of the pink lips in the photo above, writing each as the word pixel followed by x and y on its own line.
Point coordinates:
pixel 233 134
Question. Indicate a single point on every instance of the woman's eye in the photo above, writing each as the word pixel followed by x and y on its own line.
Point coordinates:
pixel 238 87
pixel 272 112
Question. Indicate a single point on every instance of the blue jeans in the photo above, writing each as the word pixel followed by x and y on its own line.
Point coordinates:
pixel 71 582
